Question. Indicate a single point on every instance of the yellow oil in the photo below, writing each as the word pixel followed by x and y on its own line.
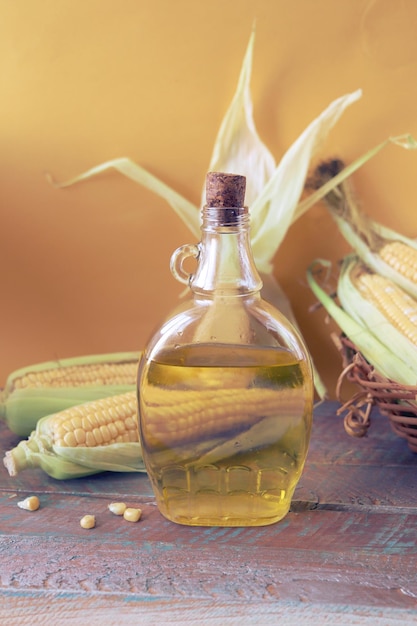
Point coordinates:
pixel 239 465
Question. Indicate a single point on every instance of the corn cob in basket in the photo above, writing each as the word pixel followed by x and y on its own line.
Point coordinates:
pixel 378 315
pixel 370 338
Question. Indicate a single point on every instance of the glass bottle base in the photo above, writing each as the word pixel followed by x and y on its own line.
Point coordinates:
pixel 249 489
pixel 231 510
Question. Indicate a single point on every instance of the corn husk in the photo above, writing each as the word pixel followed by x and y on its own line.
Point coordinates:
pixel 366 314
pixel 386 360
pixel 67 463
pixel 365 235
pixel 273 190
pixel 63 463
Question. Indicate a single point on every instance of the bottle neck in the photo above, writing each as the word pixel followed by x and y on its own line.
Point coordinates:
pixel 225 262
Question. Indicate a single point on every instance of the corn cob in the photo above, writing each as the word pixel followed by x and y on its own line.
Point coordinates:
pixel 384 356
pixel 381 306
pixel 177 417
pixel 385 251
pixel 96 436
pixel 45 388
pixel 102 435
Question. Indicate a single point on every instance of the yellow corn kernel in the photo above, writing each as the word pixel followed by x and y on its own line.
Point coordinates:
pixel 396 305
pixel 88 521
pixel 401 257
pixel 176 417
pixel 132 515
pixel 81 375
pixel 117 508
pixel 31 503
pixel 96 419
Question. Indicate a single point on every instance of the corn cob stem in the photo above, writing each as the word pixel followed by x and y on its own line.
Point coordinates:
pixel 342 201
pixel 27 454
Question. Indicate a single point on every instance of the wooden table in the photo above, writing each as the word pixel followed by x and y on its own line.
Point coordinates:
pixel 345 554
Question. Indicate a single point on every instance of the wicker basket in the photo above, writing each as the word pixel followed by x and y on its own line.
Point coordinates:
pixel 396 401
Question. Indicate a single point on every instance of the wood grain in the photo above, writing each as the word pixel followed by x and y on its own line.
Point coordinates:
pixel 70 608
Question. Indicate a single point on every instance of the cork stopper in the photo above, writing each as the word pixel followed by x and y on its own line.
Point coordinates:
pixel 225 190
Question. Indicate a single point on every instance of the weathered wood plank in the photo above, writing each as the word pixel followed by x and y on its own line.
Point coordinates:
pixel 381 446
pixel 353 487
pixel 68 608
pixel 313 556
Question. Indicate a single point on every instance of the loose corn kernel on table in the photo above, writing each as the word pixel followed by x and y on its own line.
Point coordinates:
pixel 345 554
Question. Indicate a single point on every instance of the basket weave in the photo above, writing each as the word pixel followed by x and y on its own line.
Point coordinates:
pixel 397 402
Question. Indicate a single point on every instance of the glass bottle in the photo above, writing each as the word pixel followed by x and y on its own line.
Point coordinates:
pixel 225 386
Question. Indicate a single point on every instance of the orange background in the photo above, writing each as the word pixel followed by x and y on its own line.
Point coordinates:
pixel 86 269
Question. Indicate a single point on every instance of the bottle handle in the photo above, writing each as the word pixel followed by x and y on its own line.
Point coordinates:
pixel 177 262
